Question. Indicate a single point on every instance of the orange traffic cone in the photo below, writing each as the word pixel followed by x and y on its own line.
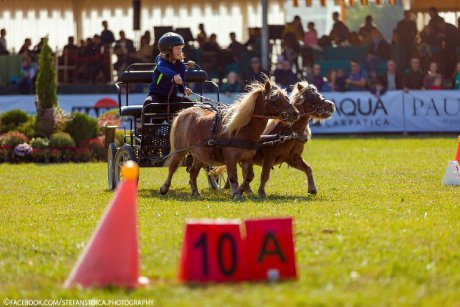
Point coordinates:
pixel 457 157
pixel 112 255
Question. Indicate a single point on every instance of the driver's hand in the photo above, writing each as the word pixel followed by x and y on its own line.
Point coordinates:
pixel 188 91
pixel 191 64
pixel 178 79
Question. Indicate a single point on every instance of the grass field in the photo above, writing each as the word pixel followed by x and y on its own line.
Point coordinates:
pixel 381 231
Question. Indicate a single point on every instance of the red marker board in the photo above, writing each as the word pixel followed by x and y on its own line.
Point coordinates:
pixel 212 251
pixel 215 251
pixel 270 249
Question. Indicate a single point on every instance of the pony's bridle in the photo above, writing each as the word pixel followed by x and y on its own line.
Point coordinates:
pixel 318 109
pixel 273 100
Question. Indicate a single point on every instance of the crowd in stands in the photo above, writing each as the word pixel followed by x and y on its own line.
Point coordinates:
pixel 426 59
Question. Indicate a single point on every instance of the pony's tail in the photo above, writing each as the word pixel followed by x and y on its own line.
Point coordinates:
pixel 172 135
pixel 218 171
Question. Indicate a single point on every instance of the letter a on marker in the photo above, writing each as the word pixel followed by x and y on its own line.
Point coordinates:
pixel 276 250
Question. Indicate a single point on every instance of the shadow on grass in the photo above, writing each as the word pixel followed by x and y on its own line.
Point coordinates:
pixel 222 195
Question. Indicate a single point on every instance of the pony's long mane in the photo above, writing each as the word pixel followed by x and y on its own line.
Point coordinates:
pixel 239 114
pixel 295 94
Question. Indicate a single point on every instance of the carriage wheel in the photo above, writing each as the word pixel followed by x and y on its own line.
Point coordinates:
pixel 111 152
pixel 125 153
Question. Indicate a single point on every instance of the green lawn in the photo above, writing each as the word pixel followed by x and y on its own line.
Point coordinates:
pixel 381 231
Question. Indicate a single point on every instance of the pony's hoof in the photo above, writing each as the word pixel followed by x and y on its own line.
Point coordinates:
pixel 237 197
pixel 313 192
pixel 196 194
pixel 262 195
pixel 249 191
pixel 164 189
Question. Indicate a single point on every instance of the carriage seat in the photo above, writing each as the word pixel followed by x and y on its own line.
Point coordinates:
pixel 134 110
pixel 147 76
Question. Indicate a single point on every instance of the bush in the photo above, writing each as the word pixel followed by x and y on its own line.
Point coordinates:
pixel 40 143
pixel 11 120
pixel 46 83
pixel 22 152
pixel 61 140
pixel 81 127
pixel 109 118
pixel 29 128
pixel 13 138
pixel 41 155
pixel 5 154
pixel 97 148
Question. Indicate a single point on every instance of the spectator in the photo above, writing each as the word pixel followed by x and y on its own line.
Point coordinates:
pixel 331 84
pixel 255 71
pixel 283 74
pixel 107 37
pixel 38 48
pixel 3 45
pixel 354 39
pixel 428 39
pixel 413 78
pixel 315 77
pixel 450 43
pixel 357 78
pixel 254 43
pixel 235 46
pixel 145 52
pixel 232 85
pixel 392 79
pixel 291 49
pixel 310 37
pixel 375 85
pixel 340 83
pixel 456 77
pixel 295 27
pixel 366 31
pixel 378 50
pixel 92 60
pixel 434 19
pixel 458 29
pixel 70 52
pixel 25 50
pixel 202 37
pixel 28 72
pixel 406 30
pixel 123 47
pixel 437 84
pixel 211 44
pixel 340 32
pixel 431 76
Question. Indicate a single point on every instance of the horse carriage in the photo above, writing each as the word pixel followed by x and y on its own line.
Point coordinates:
pixel 147 139
pixel 207 135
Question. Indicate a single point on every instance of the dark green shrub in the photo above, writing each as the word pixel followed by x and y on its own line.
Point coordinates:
pixel 61 140
pixel 46 84
pixel 13 138
pixel 29 128
pixel 11 120
pixel 82 127
pixel 40 143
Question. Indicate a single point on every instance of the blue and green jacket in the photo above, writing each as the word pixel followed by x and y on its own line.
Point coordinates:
pixel 163 78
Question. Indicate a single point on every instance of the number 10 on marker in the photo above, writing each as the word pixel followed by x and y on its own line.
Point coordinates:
pixel 212 252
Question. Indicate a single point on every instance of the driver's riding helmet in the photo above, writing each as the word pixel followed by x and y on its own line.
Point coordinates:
pixel 169 40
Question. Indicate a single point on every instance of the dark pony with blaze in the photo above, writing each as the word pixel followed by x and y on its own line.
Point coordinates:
pixel 243 123
pixel 312 106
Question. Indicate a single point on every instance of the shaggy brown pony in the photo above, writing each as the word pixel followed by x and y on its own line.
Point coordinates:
pixel 244 121
pixel 312 106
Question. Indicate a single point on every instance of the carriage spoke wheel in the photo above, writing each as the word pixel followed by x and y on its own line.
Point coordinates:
pixel 125 153
pixel 111 152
